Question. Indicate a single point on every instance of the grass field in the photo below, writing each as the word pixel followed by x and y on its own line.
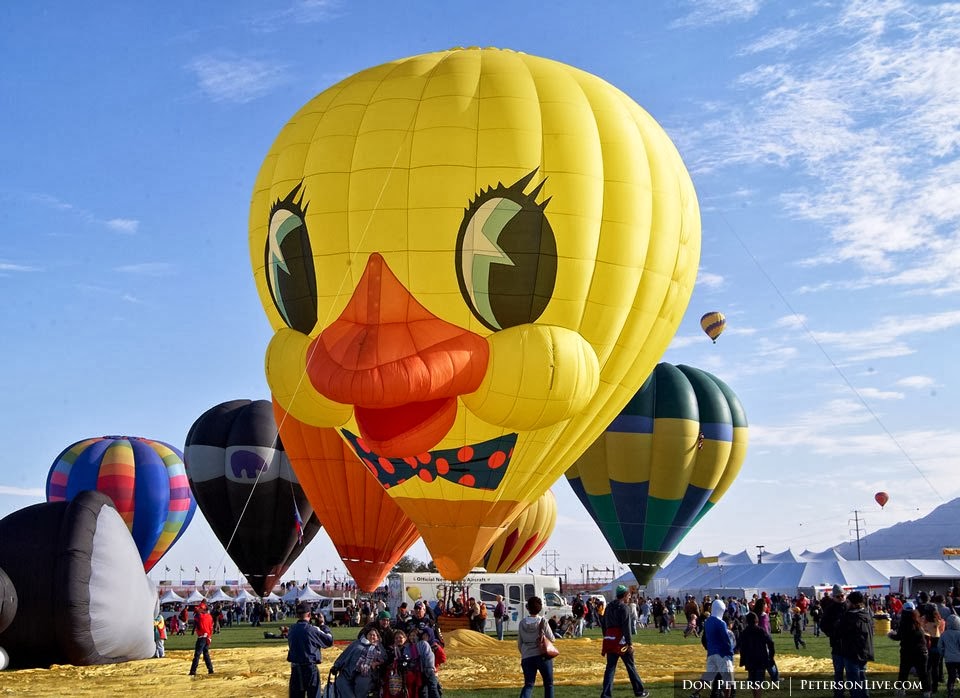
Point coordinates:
pixel 887 652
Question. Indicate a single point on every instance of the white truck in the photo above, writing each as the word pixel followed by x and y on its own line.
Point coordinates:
pixel 485 587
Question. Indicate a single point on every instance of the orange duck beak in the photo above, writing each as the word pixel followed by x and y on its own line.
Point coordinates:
pixel 400 366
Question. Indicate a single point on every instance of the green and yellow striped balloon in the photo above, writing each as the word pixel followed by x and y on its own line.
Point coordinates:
pixel 662 464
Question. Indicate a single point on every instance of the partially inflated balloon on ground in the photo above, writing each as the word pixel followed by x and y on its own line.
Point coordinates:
pixel 82 595
pixel 370 532
pixel 662 464
pixel 247 491
pixel 144 478
pixel 525 537
pixel 471 259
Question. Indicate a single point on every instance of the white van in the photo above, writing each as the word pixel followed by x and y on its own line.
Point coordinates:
pixel 334 609
pixel 483 586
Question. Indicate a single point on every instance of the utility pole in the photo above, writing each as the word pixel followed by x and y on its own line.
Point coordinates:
pixel 550 562
pixel 856 529
pixel 760 554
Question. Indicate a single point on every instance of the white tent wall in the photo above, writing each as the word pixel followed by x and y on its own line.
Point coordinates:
pixel 787 572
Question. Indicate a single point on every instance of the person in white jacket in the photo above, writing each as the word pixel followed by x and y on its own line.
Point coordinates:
pixel 528 642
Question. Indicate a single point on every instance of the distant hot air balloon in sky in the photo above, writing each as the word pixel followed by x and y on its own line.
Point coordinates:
pixel 713 324
pixel 470 260
pixel 145 479
pixel 247 490
pixel 525 537
pixel 370 532
pixel 882 498
pixel 662 464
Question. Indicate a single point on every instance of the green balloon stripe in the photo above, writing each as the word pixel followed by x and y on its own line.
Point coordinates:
pixel 606 515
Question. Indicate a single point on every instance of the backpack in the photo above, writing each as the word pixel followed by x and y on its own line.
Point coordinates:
pixel 439 655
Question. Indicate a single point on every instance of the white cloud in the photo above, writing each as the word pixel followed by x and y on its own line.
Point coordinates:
pixel 709 280
pixel 781 40
pixel 916 382
pixel 792 322
pixel 146 269
pixel 877 394
pixel 679 342
pixel 123 225
pixel 11 266
pixel 129 298
pixel 310 11
pixel 708 12
pixel 872 124
pixel 235 79
pixel 22 491
pixel 884 337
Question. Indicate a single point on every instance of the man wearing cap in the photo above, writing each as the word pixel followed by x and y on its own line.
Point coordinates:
pixel 203 627
pixel 382 625
pixel 304 642
pixel 618 644
pixel 833 609
pixel 403 615
pixel 420 619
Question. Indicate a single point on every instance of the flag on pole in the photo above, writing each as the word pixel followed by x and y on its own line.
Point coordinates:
pixel 297 522
pixel 197 570
pixel 166 568
pixel 181 568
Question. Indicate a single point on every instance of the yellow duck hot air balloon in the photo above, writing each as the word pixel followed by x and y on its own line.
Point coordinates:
pixel 471 260
pixel 525 537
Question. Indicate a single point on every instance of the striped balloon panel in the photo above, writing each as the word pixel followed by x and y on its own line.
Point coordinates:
pixel 62 467
pixel 525 537
pixel 662 463
pixel 145 479
pixel 181 507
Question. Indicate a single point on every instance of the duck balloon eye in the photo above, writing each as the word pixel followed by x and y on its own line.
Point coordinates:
pixel 506 256
pixel 289 263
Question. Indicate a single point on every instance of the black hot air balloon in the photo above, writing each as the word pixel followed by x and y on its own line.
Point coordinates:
pixel 233 450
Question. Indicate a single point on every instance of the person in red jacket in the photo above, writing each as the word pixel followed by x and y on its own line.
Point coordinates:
pixel 203 627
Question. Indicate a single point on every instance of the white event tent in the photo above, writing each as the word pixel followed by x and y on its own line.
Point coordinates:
pixel 787 572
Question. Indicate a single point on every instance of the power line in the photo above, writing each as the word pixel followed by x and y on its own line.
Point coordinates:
pixel 803 324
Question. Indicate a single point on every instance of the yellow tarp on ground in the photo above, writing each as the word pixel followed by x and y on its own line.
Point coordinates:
pixel 473 661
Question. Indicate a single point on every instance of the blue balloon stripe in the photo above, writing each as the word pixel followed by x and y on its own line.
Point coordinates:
pixel 632 424
pixel 151 497
pixel 694 499
pixel 86 469
pixel 717 432
pixel 630 500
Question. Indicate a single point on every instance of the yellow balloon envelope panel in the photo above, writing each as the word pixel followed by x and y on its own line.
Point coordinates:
pixel 662 464
pixel 471 259
pixel 525 537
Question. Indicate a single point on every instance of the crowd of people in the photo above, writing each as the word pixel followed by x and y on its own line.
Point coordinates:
pixel 399 655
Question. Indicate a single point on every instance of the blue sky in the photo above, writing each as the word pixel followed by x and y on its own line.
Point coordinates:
pixel 822 139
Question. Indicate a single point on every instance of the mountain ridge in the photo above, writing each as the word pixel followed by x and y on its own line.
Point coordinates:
pixel 923 538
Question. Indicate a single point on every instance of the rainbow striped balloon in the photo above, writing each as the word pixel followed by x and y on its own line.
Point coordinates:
pixel 146 480
pixel 525 537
